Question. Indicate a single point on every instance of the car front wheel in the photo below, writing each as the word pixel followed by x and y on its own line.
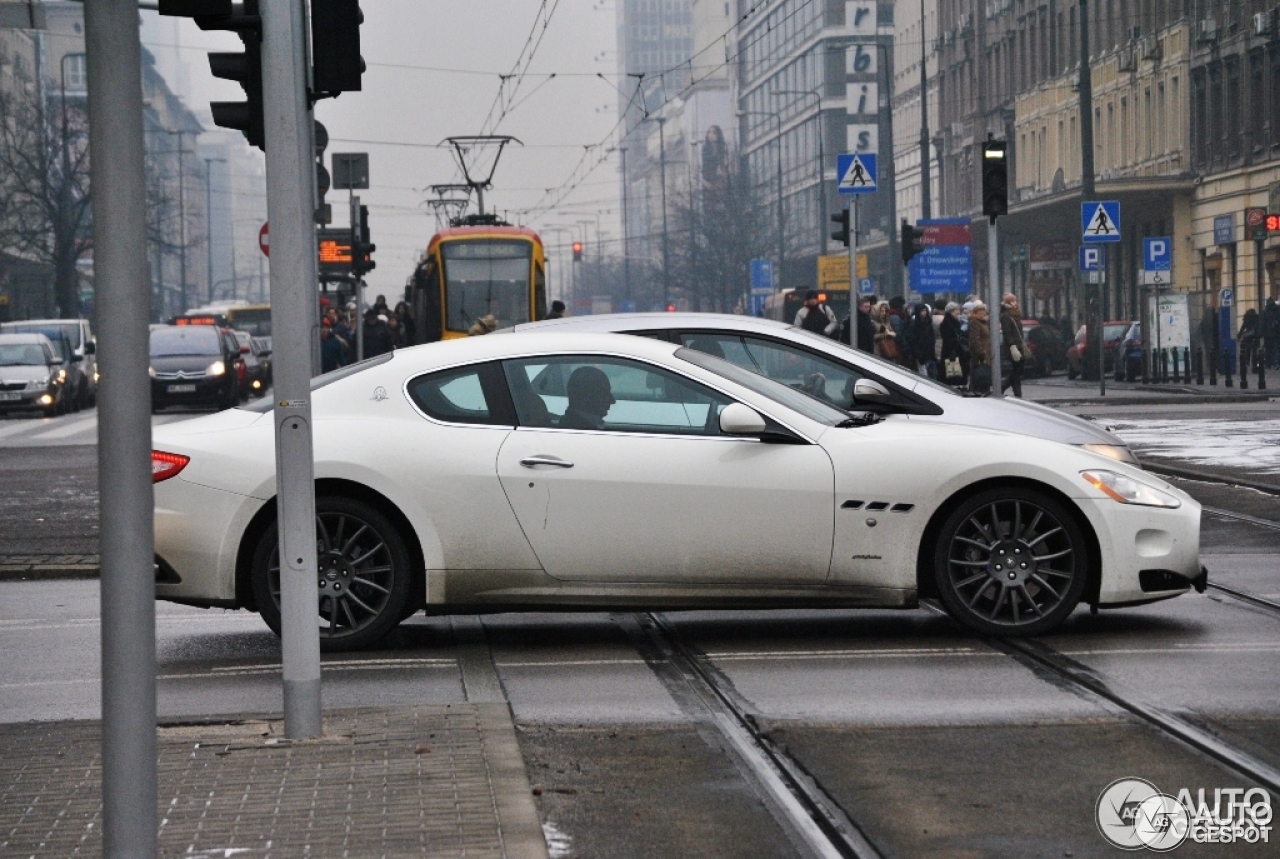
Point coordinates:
pixel 363 578
pixel 1010 562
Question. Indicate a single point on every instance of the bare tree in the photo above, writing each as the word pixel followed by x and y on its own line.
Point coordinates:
pixel 44 187
pixel 718 231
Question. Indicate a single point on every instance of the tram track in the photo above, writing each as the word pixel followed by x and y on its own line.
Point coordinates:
pixel 819 821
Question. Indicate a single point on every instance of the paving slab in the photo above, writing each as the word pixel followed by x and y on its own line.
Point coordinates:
pixel 426 781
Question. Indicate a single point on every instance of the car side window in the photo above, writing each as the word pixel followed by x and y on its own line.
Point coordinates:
pixel 614 394
pixel 462 395
pixel 819 377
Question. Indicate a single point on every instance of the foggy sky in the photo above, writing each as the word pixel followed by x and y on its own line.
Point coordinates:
pixel 455 51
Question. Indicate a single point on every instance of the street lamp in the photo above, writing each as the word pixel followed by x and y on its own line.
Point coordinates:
pixel 662 178
pixel 782 241
pixel 822 185
pixel 208 219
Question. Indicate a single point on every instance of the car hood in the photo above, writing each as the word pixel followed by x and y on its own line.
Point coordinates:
pixel 1027 418
pixel 24 373
pixel 183 363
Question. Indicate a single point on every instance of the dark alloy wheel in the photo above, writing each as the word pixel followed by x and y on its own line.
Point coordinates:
pixel 363 580
pixel 1010 562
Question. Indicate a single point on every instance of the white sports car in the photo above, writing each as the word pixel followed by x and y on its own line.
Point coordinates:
pixel 602 471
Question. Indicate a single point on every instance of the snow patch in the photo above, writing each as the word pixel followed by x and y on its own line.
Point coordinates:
pixel 1252 445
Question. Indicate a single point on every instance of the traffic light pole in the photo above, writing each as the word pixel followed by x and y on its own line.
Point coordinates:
pixel 291 204
pixel 993 308
pixel 853 263
pixel 127 597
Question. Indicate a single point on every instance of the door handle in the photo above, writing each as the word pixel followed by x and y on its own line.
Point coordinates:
pixel 533 461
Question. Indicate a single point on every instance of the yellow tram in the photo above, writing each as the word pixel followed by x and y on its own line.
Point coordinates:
pixel 477 270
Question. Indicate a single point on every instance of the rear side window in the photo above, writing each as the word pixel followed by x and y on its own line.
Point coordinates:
pixel 463 395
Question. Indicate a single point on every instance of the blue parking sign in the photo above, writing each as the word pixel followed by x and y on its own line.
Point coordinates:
pixel 1157 254
pixel 1092 258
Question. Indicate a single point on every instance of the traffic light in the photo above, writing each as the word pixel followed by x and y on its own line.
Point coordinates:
pixel 995 179
pixel 335 46
pixel 841 235
pixel 246 68
pixel 671 307
pixel 912 241
pixel 361 248
pixel 577 251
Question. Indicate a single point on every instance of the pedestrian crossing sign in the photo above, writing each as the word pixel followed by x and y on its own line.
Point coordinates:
pixel 857 173
pixel 1100 221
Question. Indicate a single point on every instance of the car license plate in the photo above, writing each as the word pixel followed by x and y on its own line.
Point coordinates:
pixel 180 389
pixel 10 396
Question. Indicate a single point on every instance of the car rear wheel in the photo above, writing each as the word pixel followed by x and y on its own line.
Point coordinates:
pixel 1010 561
pixel 364 575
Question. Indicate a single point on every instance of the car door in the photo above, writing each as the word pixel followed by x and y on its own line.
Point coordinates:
pixel 653 493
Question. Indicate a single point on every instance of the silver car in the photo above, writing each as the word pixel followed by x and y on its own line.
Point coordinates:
pixel 847 377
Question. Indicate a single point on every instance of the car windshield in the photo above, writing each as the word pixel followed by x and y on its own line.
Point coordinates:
pixel 22 355
pixel 184 340
pixel 69 330
pixel 814 410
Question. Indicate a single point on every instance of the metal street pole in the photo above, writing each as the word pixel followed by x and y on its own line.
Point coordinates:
pixel 291 205
pixel 662 174
pixel 353 203
pixel 182 220
pixel 926 208
pixel 993 314
pixel 626 235
pixel 208 220
pixel 127 535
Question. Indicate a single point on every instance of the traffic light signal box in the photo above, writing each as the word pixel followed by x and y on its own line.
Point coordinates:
pixel 995 179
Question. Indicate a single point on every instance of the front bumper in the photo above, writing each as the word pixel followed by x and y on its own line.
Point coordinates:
pixel 1151 546
pixel 204 389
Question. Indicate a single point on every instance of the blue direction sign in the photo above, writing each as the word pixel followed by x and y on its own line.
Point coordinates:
pixel 1100 221
pixel 1157 254
pixel 857 173
pixel 762 274
pixel 1092 258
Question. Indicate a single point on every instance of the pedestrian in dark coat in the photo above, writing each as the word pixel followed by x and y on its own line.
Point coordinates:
pixel 1270 329
pixel 1013 349
pixel 980 349
pixel 1247 337
pixel 377 336
pixel 921 341
pixel 952 354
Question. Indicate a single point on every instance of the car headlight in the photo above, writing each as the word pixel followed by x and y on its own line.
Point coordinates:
pixel 151 371
pixel 62 375
pixel 1126 490
pixel 1118 452
pixel 217 368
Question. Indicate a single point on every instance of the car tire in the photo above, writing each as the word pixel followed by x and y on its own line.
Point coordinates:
pixel 977 584
pixel 364 575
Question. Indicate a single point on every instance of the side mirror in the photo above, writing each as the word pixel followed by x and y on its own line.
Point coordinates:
pixel 737 419
pixel 90 347
pixel 867 391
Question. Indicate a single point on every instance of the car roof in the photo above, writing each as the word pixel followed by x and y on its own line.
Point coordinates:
pixel 24 338
pixel 464 350
pixel 653 319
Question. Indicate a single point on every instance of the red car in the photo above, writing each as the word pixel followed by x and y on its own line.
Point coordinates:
pixel 1112 331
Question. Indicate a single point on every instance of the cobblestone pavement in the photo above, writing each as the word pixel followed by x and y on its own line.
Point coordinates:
pixel 426 781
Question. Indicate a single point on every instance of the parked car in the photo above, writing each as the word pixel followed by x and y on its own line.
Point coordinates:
pixel 256 379
pixel 1048 352
pixel 194 365
pixel 1128 357
pixel 819 364
pixel 33 375
pixel 262 349
pixel 83 347
pixel 1111 333
pixel 588 472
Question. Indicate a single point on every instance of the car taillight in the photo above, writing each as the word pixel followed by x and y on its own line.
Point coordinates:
pixel 166 465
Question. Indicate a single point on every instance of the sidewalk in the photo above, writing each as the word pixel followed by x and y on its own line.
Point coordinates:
pixel 1059 390
pixel 434 781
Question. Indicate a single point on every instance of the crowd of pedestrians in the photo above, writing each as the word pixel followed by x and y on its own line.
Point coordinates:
pixel 945 340
pixel 383 330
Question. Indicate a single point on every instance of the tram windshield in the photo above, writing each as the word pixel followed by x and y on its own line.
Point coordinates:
pixel 484 276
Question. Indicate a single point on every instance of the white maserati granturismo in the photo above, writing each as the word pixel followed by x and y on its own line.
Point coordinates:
pixel 604 471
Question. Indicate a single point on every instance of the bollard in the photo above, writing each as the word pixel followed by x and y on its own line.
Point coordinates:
pixel 1213 366
pixel 1186 365
pixel 1199 359
pixel 1227 369
pixel 1262 373
pixel 1174 350
pixel 1164 365
pixel 1244 370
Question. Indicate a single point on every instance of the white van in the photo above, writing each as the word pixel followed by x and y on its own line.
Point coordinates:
pixel 83 348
